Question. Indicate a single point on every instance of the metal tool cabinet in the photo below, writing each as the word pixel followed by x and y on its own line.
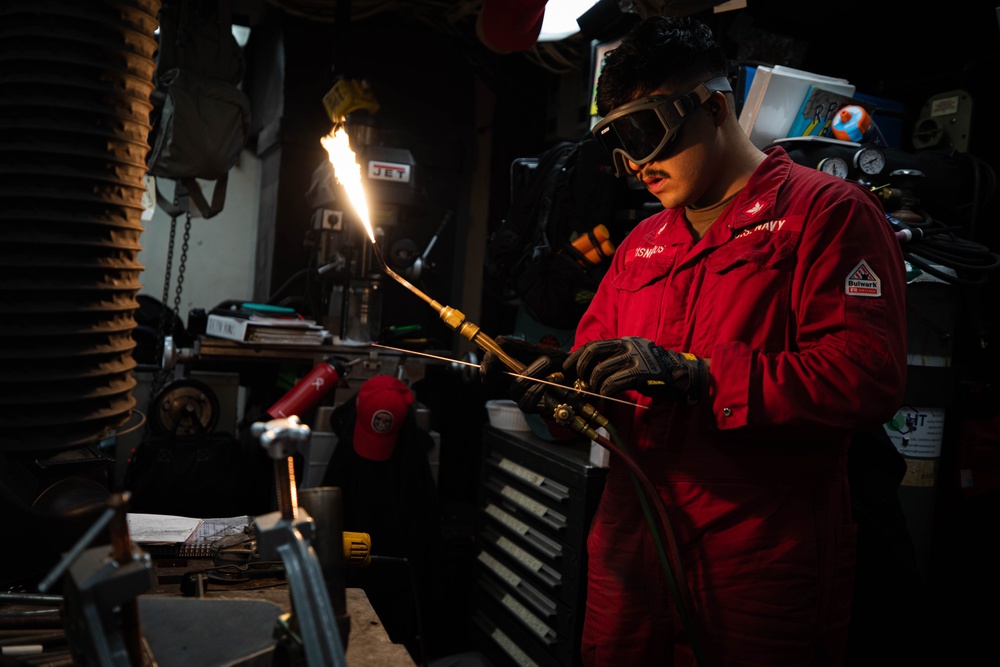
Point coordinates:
pixel 535 505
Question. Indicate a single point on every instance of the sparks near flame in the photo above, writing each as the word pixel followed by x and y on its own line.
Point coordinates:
pixel 348 173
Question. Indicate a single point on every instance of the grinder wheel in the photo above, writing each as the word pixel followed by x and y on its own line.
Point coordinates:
pixel 185 407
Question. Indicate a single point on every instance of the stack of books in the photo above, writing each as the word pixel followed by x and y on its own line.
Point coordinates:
pixel 780 95
pixel 247 325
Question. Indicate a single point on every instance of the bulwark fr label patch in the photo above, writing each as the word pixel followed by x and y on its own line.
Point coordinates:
pixel 862 281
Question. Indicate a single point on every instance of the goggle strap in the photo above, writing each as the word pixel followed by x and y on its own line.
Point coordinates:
pixel 691 101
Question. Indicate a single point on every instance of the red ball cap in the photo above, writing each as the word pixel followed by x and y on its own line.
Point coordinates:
pixel 505 26
pixel 383 402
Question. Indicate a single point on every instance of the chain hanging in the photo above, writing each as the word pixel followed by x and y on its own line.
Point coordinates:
pixel 171 315
pixel 185 241
pixel 168 316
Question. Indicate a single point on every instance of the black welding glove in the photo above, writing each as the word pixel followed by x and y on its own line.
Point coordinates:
pixel 612 366
pixel 540 361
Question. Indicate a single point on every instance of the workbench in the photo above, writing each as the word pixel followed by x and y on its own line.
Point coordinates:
pixel 262 600
pixel 230 624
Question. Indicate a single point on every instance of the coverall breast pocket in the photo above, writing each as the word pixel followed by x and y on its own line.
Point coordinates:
pixel 640 286
pixel 641 272
pixel 758 269
pixel 756 251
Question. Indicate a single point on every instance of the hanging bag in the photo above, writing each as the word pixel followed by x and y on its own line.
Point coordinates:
pixel 201 115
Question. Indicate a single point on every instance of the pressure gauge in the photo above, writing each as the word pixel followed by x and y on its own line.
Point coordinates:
pixel 835 166
pixel 870 160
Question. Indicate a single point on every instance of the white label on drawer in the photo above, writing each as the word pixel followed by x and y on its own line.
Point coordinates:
pixel 520 554
pixel 517 526
pixel 530 619
pixel 499 569
pixel 521 472
pixel 512 649
pixel 524 501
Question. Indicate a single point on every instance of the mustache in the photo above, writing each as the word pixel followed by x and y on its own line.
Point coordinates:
pixel 650 172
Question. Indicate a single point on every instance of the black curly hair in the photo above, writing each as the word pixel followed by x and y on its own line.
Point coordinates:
pixel 678 52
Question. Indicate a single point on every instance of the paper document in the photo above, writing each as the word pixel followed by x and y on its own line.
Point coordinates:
pixel 168 529
pixel 160 528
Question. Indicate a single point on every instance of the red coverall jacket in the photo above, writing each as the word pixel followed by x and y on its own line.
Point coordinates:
pixel 796 294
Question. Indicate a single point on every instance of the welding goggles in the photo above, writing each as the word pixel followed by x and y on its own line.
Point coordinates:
pixel 645 128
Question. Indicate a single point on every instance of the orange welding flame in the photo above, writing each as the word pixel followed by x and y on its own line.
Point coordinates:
pixel 348 173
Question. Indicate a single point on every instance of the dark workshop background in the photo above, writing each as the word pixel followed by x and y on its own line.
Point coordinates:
pixel 464 114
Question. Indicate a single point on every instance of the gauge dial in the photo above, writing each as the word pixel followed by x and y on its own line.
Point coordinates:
pixel 833 165
pixel 870 160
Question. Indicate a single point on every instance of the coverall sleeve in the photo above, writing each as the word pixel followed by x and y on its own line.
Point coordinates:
pixel 598 322
pixel 844 366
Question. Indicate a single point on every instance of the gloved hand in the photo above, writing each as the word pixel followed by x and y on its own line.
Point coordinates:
pixel 612 366
pixel 540 362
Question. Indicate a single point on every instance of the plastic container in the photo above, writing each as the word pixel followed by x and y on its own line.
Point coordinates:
pixel 850 123
pixel 504 414
pixel 854 123
pixel 593 247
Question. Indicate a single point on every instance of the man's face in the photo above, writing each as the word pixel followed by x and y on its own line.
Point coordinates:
pixel 676 176
pixel 657 138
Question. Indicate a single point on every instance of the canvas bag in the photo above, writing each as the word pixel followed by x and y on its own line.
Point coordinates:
pixel 202 117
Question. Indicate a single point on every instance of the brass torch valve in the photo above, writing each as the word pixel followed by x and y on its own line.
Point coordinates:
pixel 568 407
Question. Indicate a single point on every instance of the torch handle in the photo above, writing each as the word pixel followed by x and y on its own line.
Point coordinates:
pixel 456 320
pixel 490 345
pixel 567 410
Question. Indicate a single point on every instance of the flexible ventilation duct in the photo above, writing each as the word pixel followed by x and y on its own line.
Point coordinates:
pixel 75 85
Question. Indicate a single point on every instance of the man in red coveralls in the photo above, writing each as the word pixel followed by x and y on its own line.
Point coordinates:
pixel 759 322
